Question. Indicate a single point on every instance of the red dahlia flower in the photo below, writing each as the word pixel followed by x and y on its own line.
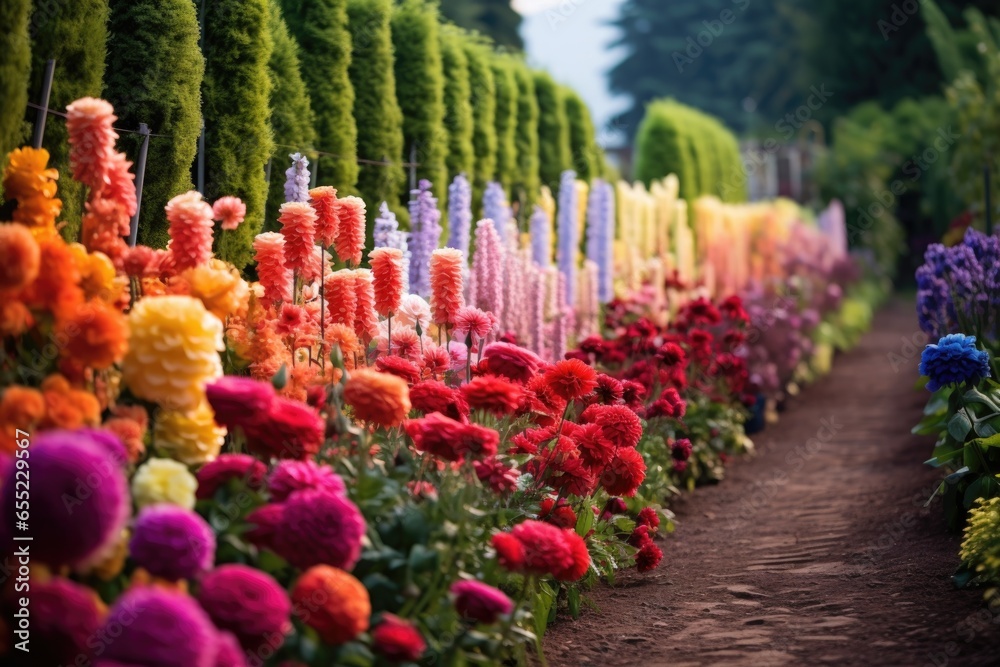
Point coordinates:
pixel 558 514
pixel 451 440
pixel 433 396
pixel 670 405
pixel 499 477
pixel 649 517
pixel 620 424
pixel 535 547
pixel 512 362
pixel 571 379
pixel 400 367
pixel 595 449
pixel 625 473
pixel 290 430
pixel 479 602
pixel 397 639
pixel 649 557
pixel 494 394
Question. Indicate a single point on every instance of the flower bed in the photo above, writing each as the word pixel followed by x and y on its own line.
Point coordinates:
pixel 420 460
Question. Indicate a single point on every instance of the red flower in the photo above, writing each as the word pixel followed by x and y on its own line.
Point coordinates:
pixel 621 426
pixel 216 474
pixel 648 517
pixel 397 639
pixel 625 473
pixel 681 450
pixel 633 394
pixel 539 398
pixel 494 474
pixel 535 547
pixel 671 354
pixel 640 536
pixel 571 379
pixel 510 552
pixel 400 367
pixel 595 449
pixel 558 514
pixel 670 404
pixel 433 396
pixel 580 555
pixel 513 362
pixel 701 311
pixel 493 394
pixel 451 440
pixel 732 308
pixel 291 430
pixel 608 391
pixel 561 467
pixel 649 557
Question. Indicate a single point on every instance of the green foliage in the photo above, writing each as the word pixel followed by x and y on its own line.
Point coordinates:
pixel 484 109
pixel 662 148
pixel 76 38
pixel 166 97
pixel 458 119
pixel 379 118
pixel 526 137
pixel 506 121
pixel 320 27
pixel 15 68
pixel 587 155
pixel 420 90
pixel 236 95
pixel 553 131
pixel 981 546
pixel 495 18
pixel 291 111
pixel 943 38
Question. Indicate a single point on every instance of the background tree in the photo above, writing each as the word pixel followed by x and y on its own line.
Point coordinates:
pixel 484 109
pixel 237 90
pixel 662 148
pixel 291 110
pixel 77 38
pixel 506 120
pixel 420 90
pixel 553 131
pixel 166 97
pixel 378 116
pixel 587 155
pixel 495 18
pixel 527 135
pixel 320 27
pixel 458 121
pixel 15 68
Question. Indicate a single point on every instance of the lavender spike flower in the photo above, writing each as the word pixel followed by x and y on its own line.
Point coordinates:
pixel 540 227
pixel 460 214
pixel 568 234
pixel 496 208
pixel 425 223
pixel 488 267
pixel 601 236
pixel 297 179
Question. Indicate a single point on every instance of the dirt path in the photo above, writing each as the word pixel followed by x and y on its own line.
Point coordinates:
pixel 817 550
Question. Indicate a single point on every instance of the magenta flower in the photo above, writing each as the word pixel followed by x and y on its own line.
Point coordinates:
pixel 479 602
pixel 172 542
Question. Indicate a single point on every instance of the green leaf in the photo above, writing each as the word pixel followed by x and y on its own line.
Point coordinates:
pixel 280 378
pixel 991 441
pixel 573 600
pixel 584 522
pixel 959 426
pixel 423 559
pixel 986 486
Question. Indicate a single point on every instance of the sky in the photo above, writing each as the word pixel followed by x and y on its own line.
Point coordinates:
pixel 569 38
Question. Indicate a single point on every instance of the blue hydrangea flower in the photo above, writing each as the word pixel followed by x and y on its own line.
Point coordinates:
pixel 953 360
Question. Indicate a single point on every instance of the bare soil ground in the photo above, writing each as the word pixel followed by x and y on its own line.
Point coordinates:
pixel 817 550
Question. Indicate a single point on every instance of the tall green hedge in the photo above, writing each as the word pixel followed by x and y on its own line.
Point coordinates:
pixel 420 90
pixel 167 96
pixel 320 27
pixel 291 111
pixel 553 131
pixel 237 91
pixel 484 109
pixel 526 136
pixel 379 118
pixel 582 137
pixel 662 149
pixel 458 121
pixel 506 120
pixel 15 68
pixel 76 37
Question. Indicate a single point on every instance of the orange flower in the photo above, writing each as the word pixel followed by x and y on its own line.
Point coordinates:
pixel 57 287
pixel 350 238
pixel 344 337
pixel 191 229
pixel 130 432
pixel 219 286
pixel 446 284
pixel 89 122
pixel 102 228
pixel 20 408
pixel 387 279
pixel 66 407
pixel 272 272
pixel 379 398
pixel 27 180
pixel 365 317
pixel 15 318
pixel 19 257
pixel 340 290
pixel 97 274
pixel 324 202
pixel 298 226
pixel 96 335
pixel 332 602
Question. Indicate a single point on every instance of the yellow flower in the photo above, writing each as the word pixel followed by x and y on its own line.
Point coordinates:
pixel 191 437
pixel 28 180
pixel 220 288
pixel 163 481
pixel 111 563
pixel 97 274
pixel 173 351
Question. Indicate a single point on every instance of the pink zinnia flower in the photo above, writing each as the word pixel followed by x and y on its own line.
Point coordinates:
pixel 230 211
pixel 512 361
pixel 475 322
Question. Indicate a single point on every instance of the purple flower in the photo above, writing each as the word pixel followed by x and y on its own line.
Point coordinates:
pixel 601 236
pixel 64 618
pixel 248 603
pixel 297 179
pixel 568 234
pixel 172 542
pixel 319 528
pixel 290 476
pixel 540 228
pixel 229 653
pixel 496 208
pixel 79 498
pixel 425 235
pixel 157 628
pixel 460 214
pixel 479 602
